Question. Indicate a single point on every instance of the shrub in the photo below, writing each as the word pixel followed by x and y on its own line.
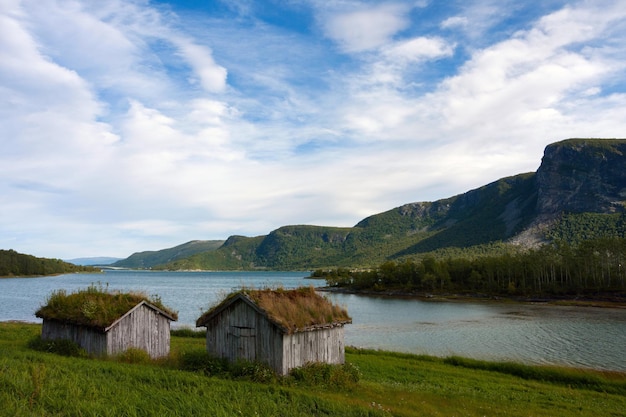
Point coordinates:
pixel 341 377
pixel 59 346
pixel 188 332
pixel 201 361
pixel 253 371
pixel 134 355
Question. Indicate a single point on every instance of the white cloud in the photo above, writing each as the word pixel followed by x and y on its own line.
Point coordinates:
pixel 28 73
pixel 454 22
pixel 80 40
pixel 380 104
pixel 212 76
pixel 107 44
pixel 49 112
pixel 418 49
pixel 366 28
pixel 533 73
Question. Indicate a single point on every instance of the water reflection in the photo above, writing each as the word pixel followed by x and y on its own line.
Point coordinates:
pixel 540 334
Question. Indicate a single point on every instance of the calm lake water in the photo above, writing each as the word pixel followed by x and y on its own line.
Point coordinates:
pixel 536 334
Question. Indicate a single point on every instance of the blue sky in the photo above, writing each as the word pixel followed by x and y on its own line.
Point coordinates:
pixel 131 125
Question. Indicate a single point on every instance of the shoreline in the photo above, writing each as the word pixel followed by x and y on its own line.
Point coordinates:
pixel 48 275
pixel 399 353
pixel 601 301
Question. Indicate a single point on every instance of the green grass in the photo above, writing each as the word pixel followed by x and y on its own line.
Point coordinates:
pixel 35 383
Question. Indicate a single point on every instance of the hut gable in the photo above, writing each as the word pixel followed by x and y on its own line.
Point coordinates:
pixel 169 316
pixel 108 323
pixel 283 328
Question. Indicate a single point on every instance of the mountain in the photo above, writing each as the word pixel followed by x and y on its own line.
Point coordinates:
pixel 96 260
pixel 578 192
pixel 148 259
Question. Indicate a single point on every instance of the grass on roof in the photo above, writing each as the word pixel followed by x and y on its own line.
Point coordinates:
pixel 293 309
pixel 95 306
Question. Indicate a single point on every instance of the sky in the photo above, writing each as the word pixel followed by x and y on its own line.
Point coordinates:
pixel 135 125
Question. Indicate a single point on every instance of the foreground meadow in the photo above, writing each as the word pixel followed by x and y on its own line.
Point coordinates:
pixel 35 383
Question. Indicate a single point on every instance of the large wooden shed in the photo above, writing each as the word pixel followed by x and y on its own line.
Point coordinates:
pixel 284 329
pixel 106 323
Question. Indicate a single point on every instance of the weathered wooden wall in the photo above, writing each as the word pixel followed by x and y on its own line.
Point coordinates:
pixel 92 341
pixel 318 345
pixel 142 328
pixel 241 332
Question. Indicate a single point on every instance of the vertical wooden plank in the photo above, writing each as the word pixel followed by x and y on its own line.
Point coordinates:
pixel 92 341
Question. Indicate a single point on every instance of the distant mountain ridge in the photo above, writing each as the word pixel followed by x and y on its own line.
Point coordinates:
pixel 576 177
pixel 148 259
pixel 93 261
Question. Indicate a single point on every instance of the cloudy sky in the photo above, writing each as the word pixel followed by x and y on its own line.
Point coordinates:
pixel 131 125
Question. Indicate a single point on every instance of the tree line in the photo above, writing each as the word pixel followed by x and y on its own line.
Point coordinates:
pixel 17 264
pixel 558 269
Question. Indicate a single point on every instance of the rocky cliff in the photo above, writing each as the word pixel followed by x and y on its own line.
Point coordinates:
pixel 582 175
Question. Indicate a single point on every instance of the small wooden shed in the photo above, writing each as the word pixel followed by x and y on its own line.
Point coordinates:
pixel 284 329
pixel 106 323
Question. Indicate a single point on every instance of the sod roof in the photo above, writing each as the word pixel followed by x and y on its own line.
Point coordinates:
pixel 291 310
pixel 96 307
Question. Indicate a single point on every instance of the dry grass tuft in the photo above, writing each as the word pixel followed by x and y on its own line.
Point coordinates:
pixel 299 308
pixel 95 306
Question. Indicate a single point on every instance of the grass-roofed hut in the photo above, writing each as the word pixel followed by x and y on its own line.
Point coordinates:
pixel 108 323
pixel 283 328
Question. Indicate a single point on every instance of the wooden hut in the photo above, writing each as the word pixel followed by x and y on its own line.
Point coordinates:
pixel 284 329
pixel 106 323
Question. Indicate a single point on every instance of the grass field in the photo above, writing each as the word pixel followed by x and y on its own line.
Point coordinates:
pixel 35 383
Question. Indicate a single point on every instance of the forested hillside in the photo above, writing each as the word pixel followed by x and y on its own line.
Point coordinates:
pixel 14 264
pixel 594 268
